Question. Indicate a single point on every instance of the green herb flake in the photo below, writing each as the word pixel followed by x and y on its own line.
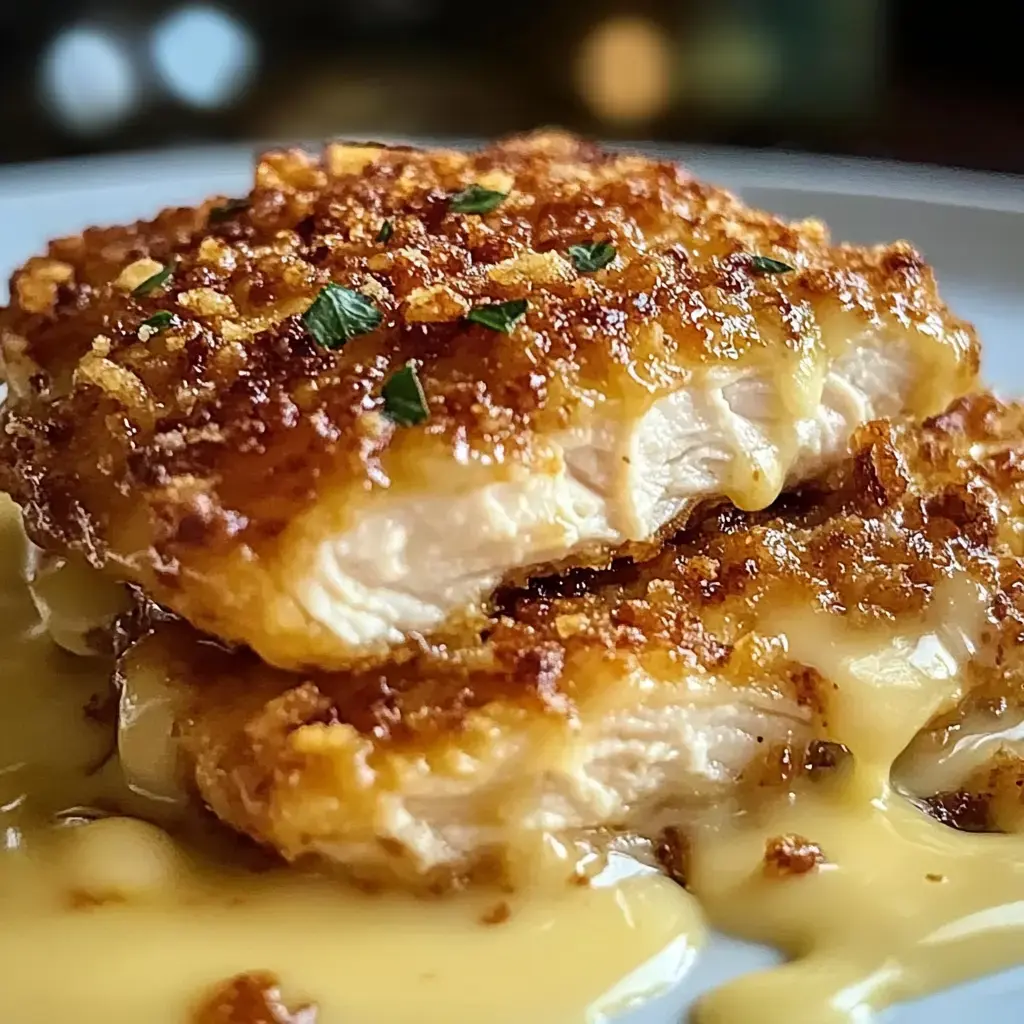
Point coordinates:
pixel 158 321
pixel 387 229
pixel 588 257
pixel 158 280
pixel 501 316
pixel 766 265
pixel 476 199
pixel 404 400
pixel 228 210
pixel 337 315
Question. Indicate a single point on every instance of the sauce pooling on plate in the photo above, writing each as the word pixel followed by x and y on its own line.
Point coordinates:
pixel 898 904
pixel 874 901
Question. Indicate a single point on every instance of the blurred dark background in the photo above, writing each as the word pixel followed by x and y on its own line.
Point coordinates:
pixel 887 78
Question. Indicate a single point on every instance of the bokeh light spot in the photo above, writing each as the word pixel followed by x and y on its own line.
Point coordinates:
pixel 734 66
pixel 204 55
pixel 623 70
pixel 87 78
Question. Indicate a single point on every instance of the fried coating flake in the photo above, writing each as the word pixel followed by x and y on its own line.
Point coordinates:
pixel 251 998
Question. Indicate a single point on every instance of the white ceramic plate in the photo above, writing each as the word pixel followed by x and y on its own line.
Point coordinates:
pixel 970 226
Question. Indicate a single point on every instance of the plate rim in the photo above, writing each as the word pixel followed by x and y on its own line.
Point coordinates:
pixel 785 170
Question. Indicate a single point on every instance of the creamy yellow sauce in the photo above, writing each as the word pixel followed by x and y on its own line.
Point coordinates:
pixel 902 905
pixel 116 921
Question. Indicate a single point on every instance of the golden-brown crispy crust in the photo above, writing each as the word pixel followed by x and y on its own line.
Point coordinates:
pixel 214 433
pixel 871 542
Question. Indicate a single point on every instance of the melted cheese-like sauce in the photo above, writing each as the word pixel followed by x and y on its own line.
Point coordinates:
pixel 115 920
pixel 902 905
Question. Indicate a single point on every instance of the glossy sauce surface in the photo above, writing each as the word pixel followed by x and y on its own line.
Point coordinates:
pixel 901 905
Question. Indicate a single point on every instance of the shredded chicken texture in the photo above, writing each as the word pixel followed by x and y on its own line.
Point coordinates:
pixel 621 700
pixel 172 418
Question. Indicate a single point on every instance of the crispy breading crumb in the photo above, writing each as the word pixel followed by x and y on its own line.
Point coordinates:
pixel 208 302
pixel 532 268
pixel 136 272
pixel 434 304
pixel 116 381
pixel 344 158
pixel 497 180
pixel 569 625
pixel 251 998
pixel 216 253
pixel 791 855
pixel 101 345
pixel 290 170
pixel 36 284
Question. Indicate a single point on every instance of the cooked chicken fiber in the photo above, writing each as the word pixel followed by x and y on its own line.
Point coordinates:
pixel 337 414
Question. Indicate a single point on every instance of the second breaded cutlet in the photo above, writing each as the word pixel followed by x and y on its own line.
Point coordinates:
pixel 603 702
pixel 333 416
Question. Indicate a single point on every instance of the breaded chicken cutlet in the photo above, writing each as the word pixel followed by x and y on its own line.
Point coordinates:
pixel 618 700
pixel 338 413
